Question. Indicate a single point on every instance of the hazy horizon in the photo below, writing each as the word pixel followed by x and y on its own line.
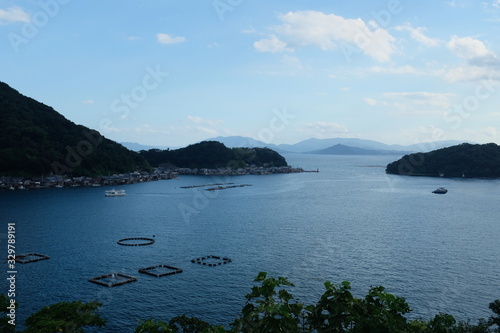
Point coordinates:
pixel 397 72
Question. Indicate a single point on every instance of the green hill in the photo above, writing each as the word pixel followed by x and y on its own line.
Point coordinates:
pixel 212 155
pixel 36 140
pixel 464 160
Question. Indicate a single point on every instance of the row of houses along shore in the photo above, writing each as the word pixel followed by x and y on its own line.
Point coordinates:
pixel 58 181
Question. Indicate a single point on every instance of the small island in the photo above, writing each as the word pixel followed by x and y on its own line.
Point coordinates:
pixel 464 160
pixel 214 158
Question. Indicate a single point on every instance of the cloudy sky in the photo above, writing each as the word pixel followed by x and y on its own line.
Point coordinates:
pixel 172 73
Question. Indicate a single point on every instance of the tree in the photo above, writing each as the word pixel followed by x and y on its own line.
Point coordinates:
pixel 268 310
pixel 186 324
pixel 4 320
pixel 339 311
pixel 65 317
pixel 152 326
pixel 495 307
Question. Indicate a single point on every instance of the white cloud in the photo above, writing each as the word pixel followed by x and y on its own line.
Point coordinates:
pixel 370 101
pixel 205 130
pixel 468 48
pixel 89 101
pixel 168 39
pixel 329 31
pixel 199 120
pixel 420 103
pixel 480 63
pixel 490 131
pixel 272 44
pixel 13 14
pixel 440 101
pixel 424 134
pixel 250 30
pixel 418 35
pixel 496 4
pixel 471 73
pixel 294 66
pixel 393 70
pixel 324 129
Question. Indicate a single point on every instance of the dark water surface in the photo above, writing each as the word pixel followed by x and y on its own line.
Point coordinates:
pixel 350 221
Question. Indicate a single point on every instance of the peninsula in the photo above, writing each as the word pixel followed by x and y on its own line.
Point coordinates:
pixel 214 158
pixel 40 148
pixel 463 160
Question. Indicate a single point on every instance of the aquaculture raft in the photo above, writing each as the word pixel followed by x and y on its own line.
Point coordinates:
pixel 113 279
pixel 211 261
pixel 147 241
pixel 160 270
pixel 30 257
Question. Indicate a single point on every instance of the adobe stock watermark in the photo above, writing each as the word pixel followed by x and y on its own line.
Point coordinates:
pixel 201 199
pixel 361 40
pixel 471 103
pixel 121 106
pixel 221 7
pixel 455 116
pixel 40 19
pixel 278 123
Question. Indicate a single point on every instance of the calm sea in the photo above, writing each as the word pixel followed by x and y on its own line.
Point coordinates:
pixel 350 222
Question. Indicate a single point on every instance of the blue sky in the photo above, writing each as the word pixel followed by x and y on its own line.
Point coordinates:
pixel 171 73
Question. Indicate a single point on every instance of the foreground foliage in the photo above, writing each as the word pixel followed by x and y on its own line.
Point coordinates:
pixel 270 307
pixel 64 317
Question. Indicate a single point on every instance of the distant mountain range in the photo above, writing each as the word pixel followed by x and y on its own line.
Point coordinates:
pixel 138 147
pixel 340 149
pixel 330 146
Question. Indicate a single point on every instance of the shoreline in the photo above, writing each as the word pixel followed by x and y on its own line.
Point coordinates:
pixel 63 181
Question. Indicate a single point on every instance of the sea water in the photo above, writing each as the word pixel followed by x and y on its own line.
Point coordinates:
pixel 348 222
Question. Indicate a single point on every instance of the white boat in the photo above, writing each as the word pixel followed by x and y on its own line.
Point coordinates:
pixel 440 190
pixel 114 193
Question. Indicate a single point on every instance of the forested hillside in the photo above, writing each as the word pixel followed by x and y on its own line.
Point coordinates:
pixel 464 160
pixel 213 154
pixel 36 140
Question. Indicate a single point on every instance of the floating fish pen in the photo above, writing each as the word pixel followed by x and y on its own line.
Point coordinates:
pixel 160 270
pixel 211 261
pixel 225 187
pixel 216 184
pixel 136 241
pixel 30 257
pixel 113 279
